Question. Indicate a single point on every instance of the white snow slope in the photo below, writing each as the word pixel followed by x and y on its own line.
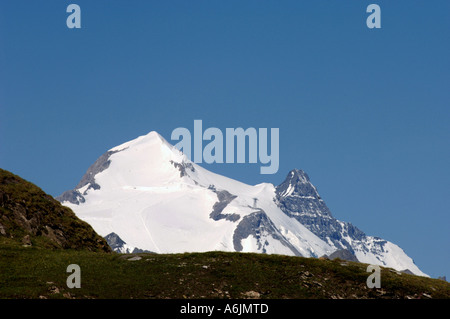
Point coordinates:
pixel 146 201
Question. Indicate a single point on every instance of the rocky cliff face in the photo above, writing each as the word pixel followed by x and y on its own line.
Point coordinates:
pixel 298 198
pixel 31 217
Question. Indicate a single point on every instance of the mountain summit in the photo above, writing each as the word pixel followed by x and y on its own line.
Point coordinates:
pixel 150 196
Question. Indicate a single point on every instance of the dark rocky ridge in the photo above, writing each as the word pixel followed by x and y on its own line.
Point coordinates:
pixel 74 196
pixel 117 244
pixel 298 198
pixel 182 167
pixel 224 199
pixel 343 254
pixel 258 224
pixel 114 241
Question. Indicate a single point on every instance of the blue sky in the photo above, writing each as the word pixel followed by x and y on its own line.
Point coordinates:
pixel 364 112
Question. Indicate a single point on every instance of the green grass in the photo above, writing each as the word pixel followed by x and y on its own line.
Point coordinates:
pixel 41 273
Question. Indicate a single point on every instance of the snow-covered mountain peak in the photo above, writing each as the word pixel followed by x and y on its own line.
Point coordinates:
pixel 297 184
pixel 298 175
pixel 151 138
pixel 152 197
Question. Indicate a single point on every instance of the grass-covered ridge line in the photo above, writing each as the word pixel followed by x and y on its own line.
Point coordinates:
pixel 30 216
pixel 41 273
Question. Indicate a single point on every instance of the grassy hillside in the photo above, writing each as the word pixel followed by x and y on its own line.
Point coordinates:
pixel 41 273
pixel 31 217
